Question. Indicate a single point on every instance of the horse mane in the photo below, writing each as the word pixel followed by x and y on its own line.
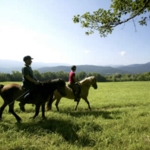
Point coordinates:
pixel 68 87
pixel 83 81
pixel 87 80
pixel 50 82
pixel 47 81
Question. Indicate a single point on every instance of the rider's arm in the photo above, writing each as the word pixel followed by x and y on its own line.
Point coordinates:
pixel 74 78
pixel 31 80
pixel 36 79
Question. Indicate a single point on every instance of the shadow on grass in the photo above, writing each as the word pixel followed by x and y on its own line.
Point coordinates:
pixel 64 128
pixel 20 148
pixel 95 113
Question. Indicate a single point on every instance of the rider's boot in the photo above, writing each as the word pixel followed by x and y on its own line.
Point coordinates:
pixel 22 106
pixel 77 98
pixel 24 101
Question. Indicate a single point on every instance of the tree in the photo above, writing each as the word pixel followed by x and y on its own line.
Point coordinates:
pixel 37 74
pixel 81 75
pixel 106 20
pixel 46 76
pixel 16 76
pixel 62 75
pixel 3 77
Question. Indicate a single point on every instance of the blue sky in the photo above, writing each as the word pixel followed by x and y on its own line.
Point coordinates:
pixel 44 29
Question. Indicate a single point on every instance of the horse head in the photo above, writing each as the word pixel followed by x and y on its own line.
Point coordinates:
pixel 93 82
pixel 61 87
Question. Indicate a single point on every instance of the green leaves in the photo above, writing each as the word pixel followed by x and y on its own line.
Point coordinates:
pixel 143 21
pixel 76 19
pixel 105 21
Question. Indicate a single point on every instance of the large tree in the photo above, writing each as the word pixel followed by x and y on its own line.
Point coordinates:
pixel 106 20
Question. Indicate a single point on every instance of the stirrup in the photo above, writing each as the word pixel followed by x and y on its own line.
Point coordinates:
pixel 22 106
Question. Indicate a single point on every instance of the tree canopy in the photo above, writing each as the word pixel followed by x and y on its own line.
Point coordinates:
pixel 105 21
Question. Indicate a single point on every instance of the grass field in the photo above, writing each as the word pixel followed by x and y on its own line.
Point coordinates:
pixel 119 120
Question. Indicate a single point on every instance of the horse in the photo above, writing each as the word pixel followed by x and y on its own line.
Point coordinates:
pixel 44 91
pixel 85 85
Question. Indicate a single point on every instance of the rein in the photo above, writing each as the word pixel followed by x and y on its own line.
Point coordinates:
pixel 23 94
pixel 19 97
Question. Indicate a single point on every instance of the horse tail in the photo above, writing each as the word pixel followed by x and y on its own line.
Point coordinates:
pixel 1 86
pixel 49 103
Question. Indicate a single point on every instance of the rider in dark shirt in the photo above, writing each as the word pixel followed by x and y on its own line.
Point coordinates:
pixel 29 80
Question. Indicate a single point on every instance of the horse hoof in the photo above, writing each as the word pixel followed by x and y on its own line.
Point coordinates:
pixel 44 118
pixel 31 118
pixel 19 121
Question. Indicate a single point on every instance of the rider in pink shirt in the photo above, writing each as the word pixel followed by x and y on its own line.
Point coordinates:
pixel 72 81
pixel 71 77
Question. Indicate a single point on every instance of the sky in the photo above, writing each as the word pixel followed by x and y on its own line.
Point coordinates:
pixel 44 29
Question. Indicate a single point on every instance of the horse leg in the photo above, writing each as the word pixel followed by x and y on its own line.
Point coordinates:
pixel 2 109
pixel 43 111
pixel 37 108
pixel 86 100
pixel 11 110
pixel 22 106
pixel 49 103
pixel 77 104
pixel 56 104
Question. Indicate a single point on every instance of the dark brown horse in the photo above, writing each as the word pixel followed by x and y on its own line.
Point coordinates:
pixel 14 92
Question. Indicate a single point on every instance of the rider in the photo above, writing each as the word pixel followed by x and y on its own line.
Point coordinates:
pixel 29 80
pixel 72 81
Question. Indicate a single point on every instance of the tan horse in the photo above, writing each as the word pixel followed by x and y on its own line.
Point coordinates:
pixel 85 86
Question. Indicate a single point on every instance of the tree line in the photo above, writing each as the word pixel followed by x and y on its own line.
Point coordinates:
pixel 17 76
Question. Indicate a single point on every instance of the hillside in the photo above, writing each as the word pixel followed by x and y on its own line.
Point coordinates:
pixel 7 66
pixel 137 68
pixel 85 68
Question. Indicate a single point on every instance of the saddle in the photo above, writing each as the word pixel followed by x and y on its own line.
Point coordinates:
pixel 78 86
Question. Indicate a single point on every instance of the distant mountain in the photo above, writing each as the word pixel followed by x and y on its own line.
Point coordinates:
pixel 136 68
pixel 115 66
pixel 7 66
pixel 9 70
pixel 86 68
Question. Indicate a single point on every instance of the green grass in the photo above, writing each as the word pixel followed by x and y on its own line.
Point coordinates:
pixel 119 120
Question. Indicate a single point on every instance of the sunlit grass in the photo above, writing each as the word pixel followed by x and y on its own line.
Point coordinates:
pixel 119 120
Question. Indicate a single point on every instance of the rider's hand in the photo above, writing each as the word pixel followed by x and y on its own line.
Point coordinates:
pixel 37 82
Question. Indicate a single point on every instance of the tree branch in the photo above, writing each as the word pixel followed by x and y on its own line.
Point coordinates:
pixel 134 25
pixel 112 26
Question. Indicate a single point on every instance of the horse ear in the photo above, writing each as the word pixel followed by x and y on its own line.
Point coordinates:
pixel 94 79
pixel 59 79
